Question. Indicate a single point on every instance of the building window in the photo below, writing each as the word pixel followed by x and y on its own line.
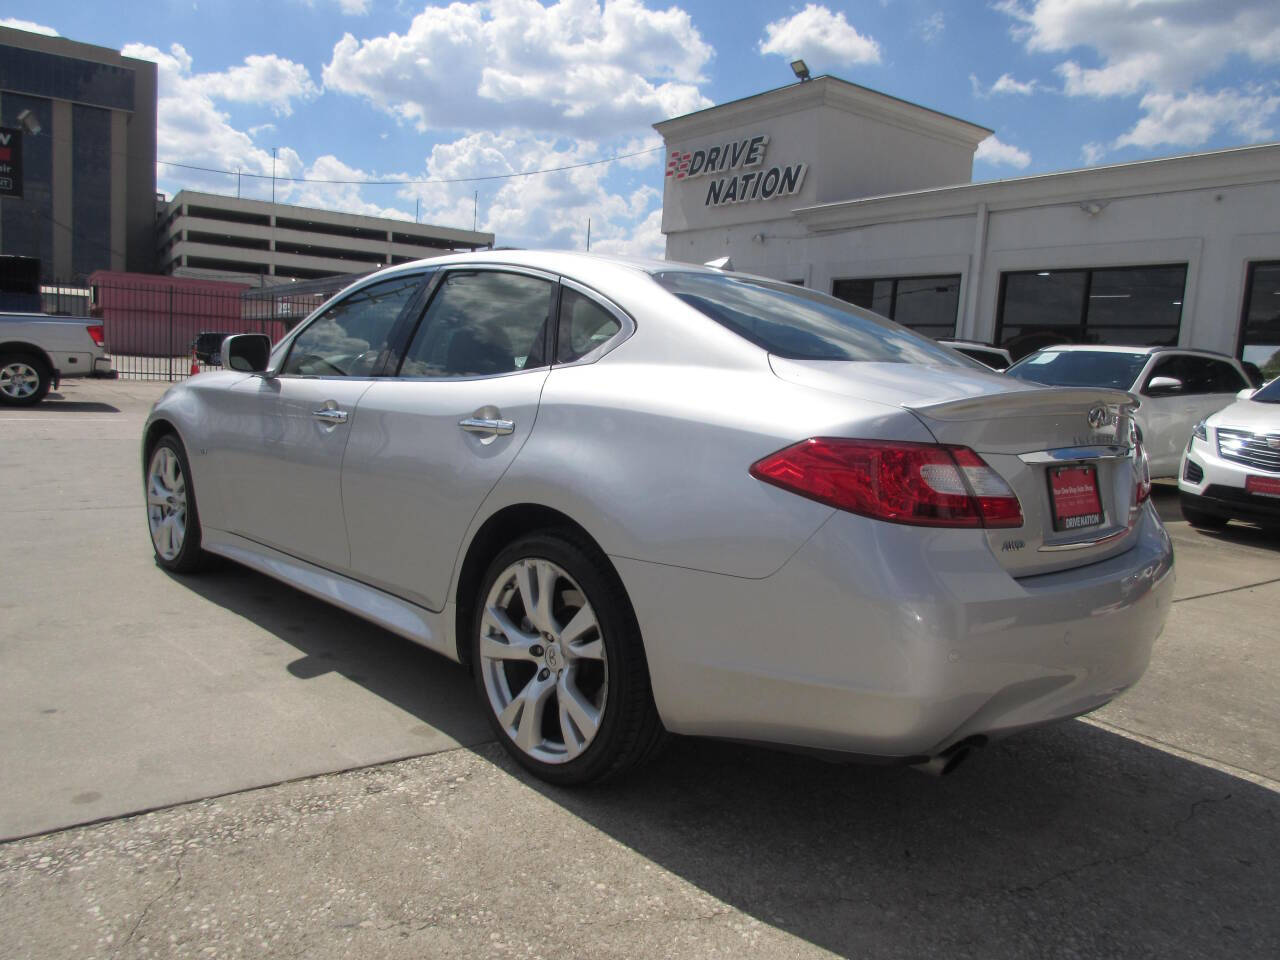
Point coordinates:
pixel 928 305
pixel 1131 306
pixel 1260 324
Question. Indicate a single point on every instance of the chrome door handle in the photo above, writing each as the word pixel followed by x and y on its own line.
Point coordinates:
pixel 487 426
pixel 330 415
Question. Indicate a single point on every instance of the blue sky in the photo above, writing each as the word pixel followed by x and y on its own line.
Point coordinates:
pixel 394 89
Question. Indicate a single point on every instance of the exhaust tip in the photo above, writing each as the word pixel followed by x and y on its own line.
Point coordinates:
pixel 946 762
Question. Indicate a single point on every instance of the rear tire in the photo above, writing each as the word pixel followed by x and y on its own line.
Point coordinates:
pixel 559 663
pixel 24 379
pixel 173 519
pixel 1203 521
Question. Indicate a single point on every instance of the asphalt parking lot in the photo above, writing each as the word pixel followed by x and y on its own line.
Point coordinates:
pixel 319 787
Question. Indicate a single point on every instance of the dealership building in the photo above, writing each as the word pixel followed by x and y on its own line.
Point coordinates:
pixel 870 198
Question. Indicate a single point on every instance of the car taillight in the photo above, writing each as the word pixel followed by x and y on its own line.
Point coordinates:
pixel 1142 466
pixel 95 331
pixel 918 483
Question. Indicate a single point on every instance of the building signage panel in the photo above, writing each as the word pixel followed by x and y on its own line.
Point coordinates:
pixel 737 171
pixel 10 162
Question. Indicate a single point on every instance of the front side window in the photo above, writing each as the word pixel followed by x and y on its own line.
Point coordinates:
pixel 1080 368
pixel 800 324
pixel 1199 374
pixel 481 323
pixel 348 339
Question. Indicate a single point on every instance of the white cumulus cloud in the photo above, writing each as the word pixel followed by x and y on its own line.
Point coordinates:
pixel 997 153
pixel 27 25
pixel 268 80
pixel 571 67
pixel 1188 120
pixel 816 34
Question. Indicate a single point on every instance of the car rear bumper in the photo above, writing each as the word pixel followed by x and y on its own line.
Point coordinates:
pixel 896 642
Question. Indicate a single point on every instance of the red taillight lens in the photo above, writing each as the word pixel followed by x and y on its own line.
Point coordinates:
pixel 918 483
pixel 1142 489
pixel 95 331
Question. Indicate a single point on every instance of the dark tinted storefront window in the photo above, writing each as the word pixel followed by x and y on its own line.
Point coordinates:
pixel 27 224
pixel 63 78
pixel 1260 330
pixel 91 189
pixel 927 305
pixel 1139 306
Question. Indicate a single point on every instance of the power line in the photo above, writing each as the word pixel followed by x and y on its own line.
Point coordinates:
pixel 388 183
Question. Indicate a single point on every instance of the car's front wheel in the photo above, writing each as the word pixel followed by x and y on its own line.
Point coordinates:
pixel 24 379
pixel 559 663
pixel 172 516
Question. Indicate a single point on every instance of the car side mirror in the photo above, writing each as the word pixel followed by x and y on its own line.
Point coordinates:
pixel 1160 386
pixel 1246 393
pixel 246 352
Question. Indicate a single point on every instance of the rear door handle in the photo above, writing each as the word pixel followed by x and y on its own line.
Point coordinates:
pixel 330 415
pixel 487 426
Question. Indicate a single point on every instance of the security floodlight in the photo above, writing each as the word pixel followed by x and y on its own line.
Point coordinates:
pixel 800 69
pixel 27 120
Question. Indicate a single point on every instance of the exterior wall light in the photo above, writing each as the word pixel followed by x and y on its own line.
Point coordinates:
pixel 1093 207
pixel 800 69
pixel 27 120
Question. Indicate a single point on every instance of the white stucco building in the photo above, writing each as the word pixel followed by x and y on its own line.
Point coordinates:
pixel 870 198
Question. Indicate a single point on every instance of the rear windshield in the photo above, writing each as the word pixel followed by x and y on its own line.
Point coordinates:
pixel 792 322
pixel 1270 393
pixel 1080 368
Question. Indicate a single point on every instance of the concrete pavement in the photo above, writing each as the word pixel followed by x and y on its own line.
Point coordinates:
pixel 1148 830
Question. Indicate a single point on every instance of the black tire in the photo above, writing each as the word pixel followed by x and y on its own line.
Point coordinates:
pixel 189 558
pixel 1203 521
pixel 629 730
pixel 13 392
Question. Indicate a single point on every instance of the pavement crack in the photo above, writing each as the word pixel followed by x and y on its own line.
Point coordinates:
pixel 137 924
pixel 1218 593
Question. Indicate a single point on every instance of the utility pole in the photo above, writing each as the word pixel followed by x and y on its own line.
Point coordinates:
pixel 273 175
pixel 416 202
pixel 237 183
pixel 475 211
pixel 588 234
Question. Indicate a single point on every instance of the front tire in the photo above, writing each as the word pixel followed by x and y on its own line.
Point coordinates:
pixel 559 663
pixel 173 518
pixel 24 379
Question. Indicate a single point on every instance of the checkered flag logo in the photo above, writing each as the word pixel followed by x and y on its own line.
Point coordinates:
pixel 678 165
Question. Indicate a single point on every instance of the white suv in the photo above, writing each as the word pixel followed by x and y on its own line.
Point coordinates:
pixel 1176 387
pixel 1231 468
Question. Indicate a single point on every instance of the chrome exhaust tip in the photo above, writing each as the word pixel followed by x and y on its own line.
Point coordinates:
pixel 948 760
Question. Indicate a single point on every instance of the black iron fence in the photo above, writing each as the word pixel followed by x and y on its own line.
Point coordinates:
pixel 168 328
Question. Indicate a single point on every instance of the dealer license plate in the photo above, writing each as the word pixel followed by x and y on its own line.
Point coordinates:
pixel 1073 492
pixel 1262 486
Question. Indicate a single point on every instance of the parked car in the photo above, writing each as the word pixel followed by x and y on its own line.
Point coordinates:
pixel 1176 387
pixel 207 346
pixel 37 350
pixel 1231 467
pixel 997 358
pixel 639 496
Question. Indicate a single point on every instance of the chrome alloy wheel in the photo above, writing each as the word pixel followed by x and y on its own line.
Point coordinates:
pixel 18 380
pixel 166 503
pixel 543 661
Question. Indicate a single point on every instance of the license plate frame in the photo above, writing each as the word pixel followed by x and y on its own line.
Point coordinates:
pixel 1262 486
pixel 1074 499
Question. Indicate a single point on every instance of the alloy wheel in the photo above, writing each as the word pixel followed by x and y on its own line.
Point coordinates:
pixel 166 503
pixel 543 661
pixel 19 380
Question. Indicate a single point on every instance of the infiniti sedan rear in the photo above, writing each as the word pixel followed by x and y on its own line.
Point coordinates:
pixel 640 497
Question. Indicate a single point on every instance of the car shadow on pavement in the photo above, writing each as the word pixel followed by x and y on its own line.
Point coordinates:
pixel 1165 497
pixel 55 404
pixel 1065 841
pixel 424 684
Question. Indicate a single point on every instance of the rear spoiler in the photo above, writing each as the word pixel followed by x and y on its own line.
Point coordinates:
pixel 1046 401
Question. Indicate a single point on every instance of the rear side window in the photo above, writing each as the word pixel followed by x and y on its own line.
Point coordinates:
pixel 1080 368
pixel 799 324
pixel 481 323
pixel 584 325
pixel 349 338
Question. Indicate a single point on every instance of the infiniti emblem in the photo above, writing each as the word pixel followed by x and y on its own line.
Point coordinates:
pixel 1099 417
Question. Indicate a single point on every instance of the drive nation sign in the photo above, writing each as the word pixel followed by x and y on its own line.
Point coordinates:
pixel 730 158
pixel 10 162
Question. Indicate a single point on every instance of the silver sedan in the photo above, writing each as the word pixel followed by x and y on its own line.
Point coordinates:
pixel 640 497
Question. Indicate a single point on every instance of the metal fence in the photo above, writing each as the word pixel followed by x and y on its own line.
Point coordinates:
pixel 151 324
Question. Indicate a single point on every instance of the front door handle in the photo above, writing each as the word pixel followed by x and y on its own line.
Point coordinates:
pixel 330 415
pixel 490 427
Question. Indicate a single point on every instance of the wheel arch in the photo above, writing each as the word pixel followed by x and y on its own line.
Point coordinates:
pixel 506 525
pixel 21 346
pixel 158 428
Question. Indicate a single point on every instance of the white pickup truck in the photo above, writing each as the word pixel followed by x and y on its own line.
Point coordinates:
pixel 37 351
